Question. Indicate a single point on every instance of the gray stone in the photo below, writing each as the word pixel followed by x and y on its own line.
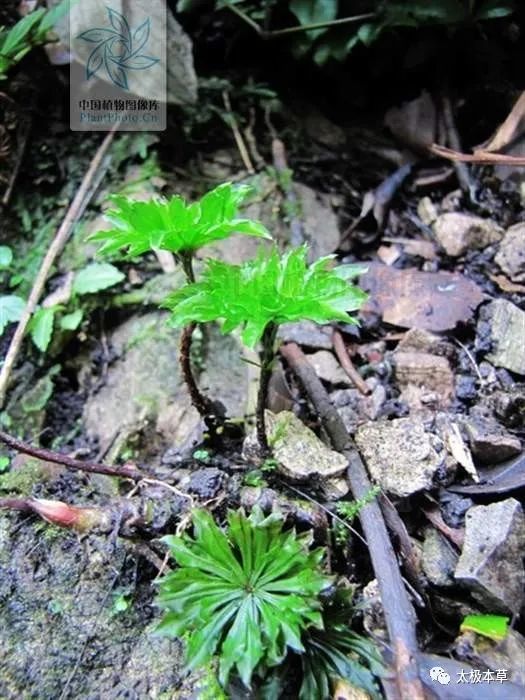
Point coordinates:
pixel 491 564
pixel 206 482
pixel 301 455
pixel 511 254
pixel 308 334
pixel 328 368
pixel 438 559
pixel 458 233
pixel 489 441
pixel 507 330
pixel 144 389
pixel 399 454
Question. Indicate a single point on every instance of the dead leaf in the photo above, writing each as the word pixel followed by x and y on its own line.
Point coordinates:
pixel 504 478
pixel 457 448
pixel 416 247
pixel 434 301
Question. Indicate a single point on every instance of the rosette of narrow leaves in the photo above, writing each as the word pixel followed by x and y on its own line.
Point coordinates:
pixel 336 651
pixel 245 594
pixel 174 224
pixel 269 289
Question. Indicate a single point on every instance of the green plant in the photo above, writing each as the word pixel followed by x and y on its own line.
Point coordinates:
pixel 325 29
pixel 348 510
pixel 336 651
pixel 28 32
pixel 246 593
pixel 182 229
pixel 492 626
pixel 263 293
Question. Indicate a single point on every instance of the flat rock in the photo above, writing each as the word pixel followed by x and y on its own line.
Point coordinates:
pixel 489 442
pixel 301 455
pixel 420 373
pixel 511 254
pixel 491 565
pixel 307 334
pixel 399 454
pixel 438 559
pixel 143 387
pixel 328 368
pixel 507 333
pixel 458 233
pixel 434 301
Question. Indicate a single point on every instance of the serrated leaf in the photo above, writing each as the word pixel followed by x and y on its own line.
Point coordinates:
pixel 174 224
pixel 6 256
pixel 269 289
pixel 11 309
pixel 96 277
pixel 41 327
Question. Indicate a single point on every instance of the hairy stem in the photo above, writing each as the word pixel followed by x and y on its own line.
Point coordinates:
pixel 201 402
pixel 267 357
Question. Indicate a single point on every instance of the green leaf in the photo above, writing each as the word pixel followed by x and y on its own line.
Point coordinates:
pixel 96 277
pixel 174 224
pixel 269 289
pixel 492 626
pixel 70 322
pixel 4 464
pixel 245 593
pixel 494 9
pixel 11 308
pixel 314 12
pixel 41 327
pixel 6 256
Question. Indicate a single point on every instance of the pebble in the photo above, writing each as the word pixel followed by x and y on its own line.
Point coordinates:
pixel 400 455
pixel 511 254
pixel 507 332
pixel 489 442
pixel 458 233
pixel 438 559
pixel 491 565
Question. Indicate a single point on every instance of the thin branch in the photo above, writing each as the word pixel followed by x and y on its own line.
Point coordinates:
pixel 399 613
pixel 72 215
pixel 273 34
pixel 479 156
pixel 125 472
pixel 319 25
pixel 347 364
pixel 232 123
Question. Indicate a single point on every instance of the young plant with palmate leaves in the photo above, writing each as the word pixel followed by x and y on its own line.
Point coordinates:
pixel 245 594
pixel 254 595
pixel 181 228
pixel 261 294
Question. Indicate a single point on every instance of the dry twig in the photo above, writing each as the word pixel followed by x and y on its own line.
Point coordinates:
pixel 72 215
pixel 128 471
pixel 399 614
pixel 347 364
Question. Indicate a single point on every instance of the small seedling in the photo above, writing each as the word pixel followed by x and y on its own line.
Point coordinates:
pixel 261 294
pixel 181 228
pixel 246 593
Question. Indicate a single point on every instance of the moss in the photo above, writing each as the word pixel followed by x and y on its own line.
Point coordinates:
pixel 21 481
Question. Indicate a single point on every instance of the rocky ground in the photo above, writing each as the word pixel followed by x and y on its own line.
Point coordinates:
pixel 438 418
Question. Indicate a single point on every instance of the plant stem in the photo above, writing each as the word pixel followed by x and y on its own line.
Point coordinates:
pixel 202 403
pixel 270 34
pixel 267 357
